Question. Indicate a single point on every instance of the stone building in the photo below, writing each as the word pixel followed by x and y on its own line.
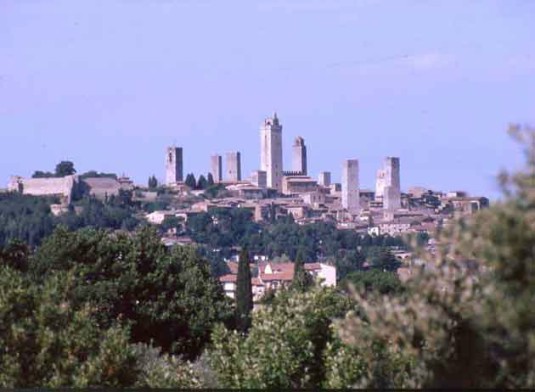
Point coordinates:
pixel 350 186
pixel 234 166
pixel 271 152
pixel 259 179
pixel 104 187
pixel 324 179
pixel 216 167
pixel 300 156
pixel 292 185
pixel 174 169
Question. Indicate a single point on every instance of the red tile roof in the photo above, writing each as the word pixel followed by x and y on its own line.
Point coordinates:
pixel 230 278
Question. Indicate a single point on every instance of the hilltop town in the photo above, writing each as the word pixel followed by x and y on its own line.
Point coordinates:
pixel 272 190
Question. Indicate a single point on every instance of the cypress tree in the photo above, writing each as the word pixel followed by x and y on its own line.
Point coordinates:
pixel 244 294
pixel 190 181
pixel 302 279
pixel 210 180
pixel 202 183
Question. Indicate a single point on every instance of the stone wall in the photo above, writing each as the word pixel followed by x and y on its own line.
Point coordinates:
pixel 62 187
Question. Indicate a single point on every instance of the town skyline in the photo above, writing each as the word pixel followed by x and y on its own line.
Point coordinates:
pixel 108 85
pixel 250 163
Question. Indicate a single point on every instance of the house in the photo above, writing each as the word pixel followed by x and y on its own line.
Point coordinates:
pixel 272 276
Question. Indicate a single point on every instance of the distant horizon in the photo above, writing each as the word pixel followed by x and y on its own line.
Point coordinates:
pixel 109 84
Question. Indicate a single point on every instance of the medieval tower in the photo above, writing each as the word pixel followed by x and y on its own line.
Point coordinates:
pixel 173 166
pixel 392 188
pixel 216 167
pixel 271 151
pixel 300 156
pixel 234 166
pixel 350 186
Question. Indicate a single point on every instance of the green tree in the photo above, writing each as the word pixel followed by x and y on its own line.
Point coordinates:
pixel 153 182
pixel 168 296
pixel 47 342
pixel 302 280
pixel 210 180
pixel 244 293
pixel 285 346
pixel 382 282
pixel 65 168
pixel 383 259
pixel 202 183
pixel 190 181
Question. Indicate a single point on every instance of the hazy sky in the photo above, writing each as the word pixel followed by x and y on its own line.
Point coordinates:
pixel 109 83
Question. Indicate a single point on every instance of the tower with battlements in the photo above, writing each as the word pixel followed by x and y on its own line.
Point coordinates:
pixel 271 151
pixel 174 170
pixel 300 156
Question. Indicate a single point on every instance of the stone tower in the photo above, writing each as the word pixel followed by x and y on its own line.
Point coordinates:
pixel 392 187
pixel 350 186
pixel 300 156
pixel 271 151
pixel 216 167
pixel 380 185
pixel 234 166
pixel 174 166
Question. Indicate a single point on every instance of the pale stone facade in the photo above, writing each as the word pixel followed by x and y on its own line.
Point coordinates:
pixel 350 186
pixel 62 186
pixel 300 156
pixel 380 185
pixel 174 170
pixel 298 184
pixel 234 166
pixel 271 152
pixel 259 179
pixel 324 179
pixel 216 167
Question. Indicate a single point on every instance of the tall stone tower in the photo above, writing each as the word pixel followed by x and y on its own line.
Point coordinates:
pixel 234 166
pixel 350 186
pixel 216 167
pixel 380 185
pixel 174 170
pixel 392 189
pixel 300 156
pixel 271 151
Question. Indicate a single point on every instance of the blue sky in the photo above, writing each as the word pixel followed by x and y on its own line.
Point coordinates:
pixel 109 83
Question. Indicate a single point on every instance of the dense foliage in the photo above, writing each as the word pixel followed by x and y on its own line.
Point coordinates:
pixel 47 340
pixel 29 218
pixel 284 348
pixel 168 297
pixel 227 229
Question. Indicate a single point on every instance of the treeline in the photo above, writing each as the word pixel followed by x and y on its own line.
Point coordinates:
pixel 30 220
pixel 224 230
